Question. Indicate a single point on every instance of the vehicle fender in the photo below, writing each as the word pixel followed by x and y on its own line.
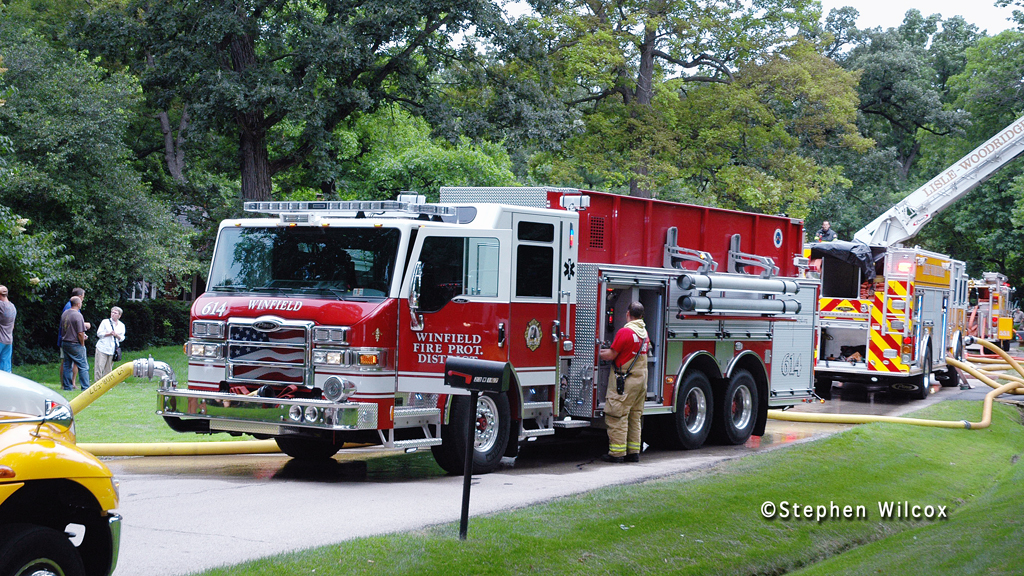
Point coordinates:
pixel 700 360
pixel 46 459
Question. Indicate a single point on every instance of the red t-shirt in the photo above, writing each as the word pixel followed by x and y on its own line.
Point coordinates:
pixel 627 344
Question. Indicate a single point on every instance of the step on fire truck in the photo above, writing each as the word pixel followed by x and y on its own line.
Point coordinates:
pixel 331 321
pixel 990 316
pixel 888 316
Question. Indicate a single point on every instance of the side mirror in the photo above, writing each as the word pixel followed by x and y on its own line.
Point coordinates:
pixel 61 416
pixel 414 297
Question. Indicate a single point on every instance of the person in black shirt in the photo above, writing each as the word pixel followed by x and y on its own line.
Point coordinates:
pixel 826 234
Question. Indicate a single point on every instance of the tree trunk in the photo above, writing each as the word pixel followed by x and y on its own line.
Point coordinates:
pixel 644 96
pixel 254 159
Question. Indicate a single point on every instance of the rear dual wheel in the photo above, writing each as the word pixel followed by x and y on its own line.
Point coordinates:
pixel 736 409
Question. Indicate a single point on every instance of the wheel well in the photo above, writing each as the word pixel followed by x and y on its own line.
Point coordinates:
pixel 700 361
pixel 752 363
pixel 57 503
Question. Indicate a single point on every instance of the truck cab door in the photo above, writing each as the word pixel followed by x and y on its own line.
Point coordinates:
pixel 455 302
pixel 543 294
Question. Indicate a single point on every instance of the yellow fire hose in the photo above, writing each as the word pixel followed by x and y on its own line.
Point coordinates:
pixel 1015 387
pixel 148 368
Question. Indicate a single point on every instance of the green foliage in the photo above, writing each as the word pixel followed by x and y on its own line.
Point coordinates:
pixel 70 174
pixel 157 322
pixel 390 151
pixel 277 78
pixel 28 261
pixel 986 228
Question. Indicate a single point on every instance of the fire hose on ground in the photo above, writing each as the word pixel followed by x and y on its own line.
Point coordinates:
pixel 148 368
pixel 1015 386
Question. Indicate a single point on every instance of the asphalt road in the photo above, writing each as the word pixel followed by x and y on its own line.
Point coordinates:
pixel 186 514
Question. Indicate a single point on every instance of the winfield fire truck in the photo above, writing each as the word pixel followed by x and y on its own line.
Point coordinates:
pixel 888 316
pixel 330 322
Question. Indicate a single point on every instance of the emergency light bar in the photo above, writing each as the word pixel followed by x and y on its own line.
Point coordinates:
pixel 346 208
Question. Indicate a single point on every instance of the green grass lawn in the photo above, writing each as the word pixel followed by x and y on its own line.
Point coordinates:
pixel 709 522
pixel 127 412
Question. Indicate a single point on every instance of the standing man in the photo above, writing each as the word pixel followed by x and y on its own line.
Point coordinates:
pixel 60 337
pixel 73 327
pixel 110 334
pixel 624 405
pixel 826 234
pixel 7 314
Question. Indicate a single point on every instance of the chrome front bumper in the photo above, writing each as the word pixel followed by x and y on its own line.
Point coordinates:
pixel 254 414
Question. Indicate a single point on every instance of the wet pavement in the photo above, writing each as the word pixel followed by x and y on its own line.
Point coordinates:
pixel 186 514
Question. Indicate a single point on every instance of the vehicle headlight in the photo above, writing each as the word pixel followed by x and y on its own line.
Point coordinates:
pixel 208 329
pixel 203 350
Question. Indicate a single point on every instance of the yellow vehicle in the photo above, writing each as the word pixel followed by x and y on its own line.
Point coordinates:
pixel 56 500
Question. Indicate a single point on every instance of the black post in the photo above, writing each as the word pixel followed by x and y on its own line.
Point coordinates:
pixel 468 470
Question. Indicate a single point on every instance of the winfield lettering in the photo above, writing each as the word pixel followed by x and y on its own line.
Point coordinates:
pixel 289 305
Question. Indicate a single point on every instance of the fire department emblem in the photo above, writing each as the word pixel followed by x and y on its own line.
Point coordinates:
pixel 533 334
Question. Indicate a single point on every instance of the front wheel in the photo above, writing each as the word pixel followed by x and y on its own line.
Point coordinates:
pixel 694 406
pixel 491 424
pixel 737 412
pixel 28 550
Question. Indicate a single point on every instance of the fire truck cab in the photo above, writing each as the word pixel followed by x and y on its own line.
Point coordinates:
pixel 330 322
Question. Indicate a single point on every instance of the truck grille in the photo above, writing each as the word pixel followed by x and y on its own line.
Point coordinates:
pixel 268 357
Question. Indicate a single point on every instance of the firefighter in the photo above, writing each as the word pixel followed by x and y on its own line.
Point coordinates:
pixel 826 234
pixel 627 387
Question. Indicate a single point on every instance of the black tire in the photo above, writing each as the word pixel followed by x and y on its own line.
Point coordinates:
pixel 950 377
pixel 924 383
pixel 26 549
pixel 823 387
pixel 493 422
pixel 695 405
pixel 736 410
pixel 307 448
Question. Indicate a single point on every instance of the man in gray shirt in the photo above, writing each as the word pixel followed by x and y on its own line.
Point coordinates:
pixel 7 314
pixel 72 328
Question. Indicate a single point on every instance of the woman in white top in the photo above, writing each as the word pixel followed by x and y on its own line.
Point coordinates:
pixel 111 330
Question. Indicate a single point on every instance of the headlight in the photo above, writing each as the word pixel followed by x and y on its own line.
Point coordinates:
pixel 330 335
pixel 202 350
pixel 208 329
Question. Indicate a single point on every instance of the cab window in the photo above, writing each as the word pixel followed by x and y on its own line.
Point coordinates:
pixel 454 266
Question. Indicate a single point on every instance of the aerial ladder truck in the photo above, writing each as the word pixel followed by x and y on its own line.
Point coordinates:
pixel 890 314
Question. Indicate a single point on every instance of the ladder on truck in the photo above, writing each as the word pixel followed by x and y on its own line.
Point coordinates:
pixel 904 220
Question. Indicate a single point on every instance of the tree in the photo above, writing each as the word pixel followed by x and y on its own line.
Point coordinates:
pixel 280 76
pixel 900 91
pixel 70 173
pixel 986 228
pixel 673 100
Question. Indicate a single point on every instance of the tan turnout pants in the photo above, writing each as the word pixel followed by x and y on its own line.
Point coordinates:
pixel 623 412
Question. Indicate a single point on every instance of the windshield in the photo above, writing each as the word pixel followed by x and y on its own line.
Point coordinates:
pixel 342 262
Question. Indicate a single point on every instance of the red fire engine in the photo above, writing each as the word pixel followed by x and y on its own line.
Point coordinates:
pixel 331 322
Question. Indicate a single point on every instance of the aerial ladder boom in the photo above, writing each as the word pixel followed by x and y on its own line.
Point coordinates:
pixel 904 220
